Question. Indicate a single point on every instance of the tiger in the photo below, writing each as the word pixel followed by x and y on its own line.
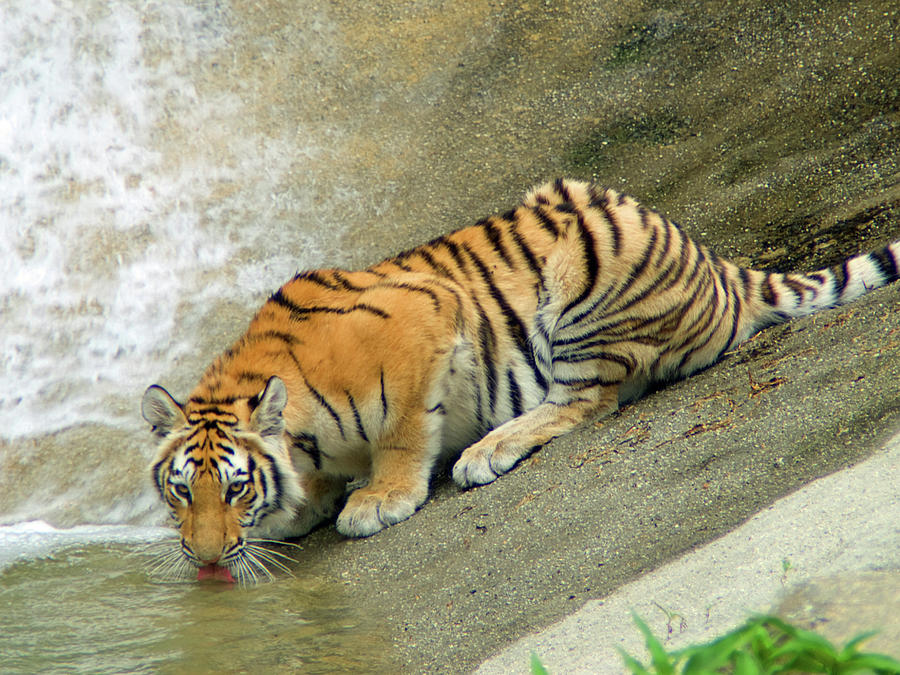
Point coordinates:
pixel 350 388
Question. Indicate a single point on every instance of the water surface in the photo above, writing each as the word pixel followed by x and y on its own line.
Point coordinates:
pixel 93 609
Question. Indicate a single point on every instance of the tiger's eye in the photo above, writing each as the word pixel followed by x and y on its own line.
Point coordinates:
pixel 234 490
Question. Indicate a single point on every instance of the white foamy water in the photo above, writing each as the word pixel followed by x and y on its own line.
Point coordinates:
pixel 128 202
pixel 35 539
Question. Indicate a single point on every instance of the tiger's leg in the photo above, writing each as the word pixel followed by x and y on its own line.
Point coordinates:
pixel 322 493
pixel 563 409
pixel 401 469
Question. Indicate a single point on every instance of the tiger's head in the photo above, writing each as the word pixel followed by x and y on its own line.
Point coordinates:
pixel 223 471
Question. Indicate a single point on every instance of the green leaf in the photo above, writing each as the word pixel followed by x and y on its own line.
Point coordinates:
pixel 632 663
pixel 745 664
pixel 537 668
pixel 851 647
pixel 880 663
pixel 658 654
pixel 719 653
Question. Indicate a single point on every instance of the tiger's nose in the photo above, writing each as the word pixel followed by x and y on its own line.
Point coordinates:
pixel 209 554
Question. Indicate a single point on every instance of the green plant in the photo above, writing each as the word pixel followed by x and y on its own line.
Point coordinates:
pixel 537 668
pixel 764 645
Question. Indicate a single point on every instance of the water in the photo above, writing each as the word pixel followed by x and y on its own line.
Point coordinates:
pixel 125 180
pixel 80 610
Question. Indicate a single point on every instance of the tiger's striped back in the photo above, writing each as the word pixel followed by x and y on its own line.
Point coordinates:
pixel 491 341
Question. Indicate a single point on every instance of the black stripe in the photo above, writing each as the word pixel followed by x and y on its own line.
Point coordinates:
pixel 266 505
pixel 495 238
pixel 396 262
pixel 488 342
pixel 595 339
pixel 156 472
pixel 745 283
pixel 515 394
pixel 644 213
pixel 710 314
pixel 735 316
pixel 356 417
pixel 346 284
pixel 482 427
pixel 841 276
pixel 591 261
pixel 277 480
pixel 884 260
pixel 683 258
pixel 667 242
pixel 545 221
pixel 247 376
pixel 315 277
pixel 580 384
pixel 287 338
pixel 299 313
pixel 253 401
pixel 602 202
pixel 513 323
pixel 415 288
pixel 767 291
pixel 384 403
pixel 563 189
pixel 213 401
pixel 321 400
pixel 193 461
pixel 224 458
pixel 650 288
pixel 695 297
pixel 221 416
pixel 455 254
pixel 527 253
pixel 798 288
pixel 436 265
pixel 308 444
pixel 634 273
pixel 582 356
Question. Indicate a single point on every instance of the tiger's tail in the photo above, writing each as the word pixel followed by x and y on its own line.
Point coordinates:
pixel 790 295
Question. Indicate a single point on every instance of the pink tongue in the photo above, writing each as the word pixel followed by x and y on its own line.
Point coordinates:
pixel 214 572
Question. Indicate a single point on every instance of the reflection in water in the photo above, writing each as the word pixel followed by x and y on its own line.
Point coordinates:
pixel 82 610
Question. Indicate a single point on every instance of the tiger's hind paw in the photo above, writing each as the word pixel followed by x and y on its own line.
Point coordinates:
pixel 366 512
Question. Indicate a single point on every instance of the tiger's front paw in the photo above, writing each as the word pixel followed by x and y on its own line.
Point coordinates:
pixel 481 463
pixel 366 511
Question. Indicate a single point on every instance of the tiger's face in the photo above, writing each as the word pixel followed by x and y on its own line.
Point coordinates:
pixel 224 473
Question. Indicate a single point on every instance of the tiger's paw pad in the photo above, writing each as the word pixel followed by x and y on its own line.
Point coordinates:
pixel 478 466
pixel 366 514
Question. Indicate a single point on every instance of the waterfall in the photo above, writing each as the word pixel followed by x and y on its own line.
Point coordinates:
pixel 147 206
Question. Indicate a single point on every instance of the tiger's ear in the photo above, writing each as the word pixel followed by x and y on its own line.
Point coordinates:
pixel 267 408
pixel 161 410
